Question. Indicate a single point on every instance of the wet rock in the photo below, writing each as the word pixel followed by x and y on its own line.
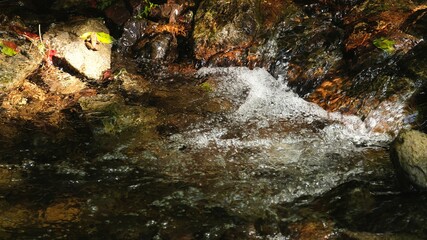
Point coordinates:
pixel 318 50
pixel 233 32
pixel 356 68
pixel 372 20
pixel 311 230
pixel 416 65
pixel 419 118
pixel 409 156
pixel 151 41
pixel 336 55
pixel 108 114
pixel 133 31
pixel 157 36
pixel 387 117
pixel 377 236
pixel 10 176
pixel 363 64
pixel 15 216
pixel 71 49
pixel 65 211
pixel 160 47
pixel 135 87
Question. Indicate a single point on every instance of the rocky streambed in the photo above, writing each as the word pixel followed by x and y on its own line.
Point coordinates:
pixel 211 120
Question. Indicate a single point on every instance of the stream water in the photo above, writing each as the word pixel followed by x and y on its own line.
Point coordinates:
pixel 264 165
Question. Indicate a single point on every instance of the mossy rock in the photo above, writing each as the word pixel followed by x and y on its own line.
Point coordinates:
pixel 238 25
pixel 409 156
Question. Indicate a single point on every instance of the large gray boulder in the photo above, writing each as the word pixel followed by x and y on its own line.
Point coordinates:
pixel 64 38
pixel 409 156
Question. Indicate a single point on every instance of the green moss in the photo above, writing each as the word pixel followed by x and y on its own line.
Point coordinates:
pixel 103 4
pixel 207 87
pixel 206 29
pixel 147 9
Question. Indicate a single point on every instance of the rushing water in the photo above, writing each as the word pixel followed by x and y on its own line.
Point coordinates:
pixel 268 166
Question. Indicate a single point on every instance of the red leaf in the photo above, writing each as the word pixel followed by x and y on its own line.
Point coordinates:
pixel 11 45
pixel 24 32
pixel 107 75
pixel 49 54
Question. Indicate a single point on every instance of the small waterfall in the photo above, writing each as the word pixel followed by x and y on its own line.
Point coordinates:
pixel 263 99
pixel 274 131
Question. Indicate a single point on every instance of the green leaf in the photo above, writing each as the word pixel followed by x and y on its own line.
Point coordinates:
pixel 104 37
pixel 384 44
pixel 7 50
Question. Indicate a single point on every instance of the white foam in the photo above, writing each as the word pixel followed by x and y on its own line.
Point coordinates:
pixel 267 97
pixel 273 128
pixel 263 99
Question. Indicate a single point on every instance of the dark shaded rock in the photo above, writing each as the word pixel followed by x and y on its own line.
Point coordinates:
pixel 160 47
pixel 419 102
pixel 415 63
pixel 133 31
pixel 118 13
pixel 69 4
pixel 65 39
pixel 416 23
pixel 409 156
pixel 156 36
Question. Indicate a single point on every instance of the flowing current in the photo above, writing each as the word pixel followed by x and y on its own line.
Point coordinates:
pixel 250 148
pixel 269 147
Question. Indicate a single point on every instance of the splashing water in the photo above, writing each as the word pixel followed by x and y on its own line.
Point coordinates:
pixel 264 100
pixel 271 129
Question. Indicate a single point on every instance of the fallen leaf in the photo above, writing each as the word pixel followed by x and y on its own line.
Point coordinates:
pixel 105 37
pixel 384 44
pixel 24 32
pixel 9 48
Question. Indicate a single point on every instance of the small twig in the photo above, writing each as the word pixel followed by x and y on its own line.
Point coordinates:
pixel 40 34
